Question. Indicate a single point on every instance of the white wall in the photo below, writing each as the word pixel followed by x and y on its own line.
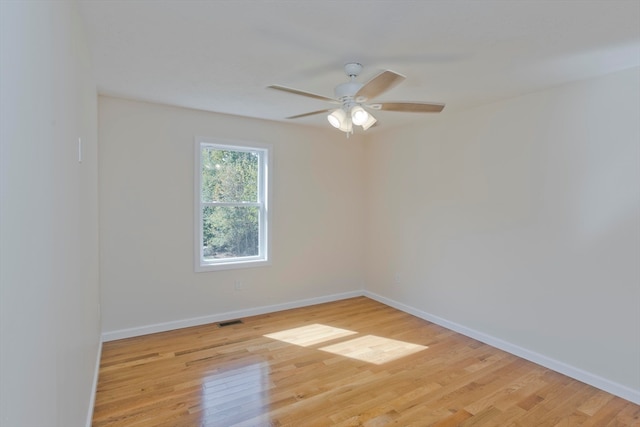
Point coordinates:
pixel 520 220
pixel 49 298
pixel 146 216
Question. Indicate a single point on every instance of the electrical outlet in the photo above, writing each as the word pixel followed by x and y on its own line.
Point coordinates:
pixel 397 278
pixel 238 285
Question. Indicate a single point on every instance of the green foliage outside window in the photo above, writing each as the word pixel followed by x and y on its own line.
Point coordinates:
pixel 230 177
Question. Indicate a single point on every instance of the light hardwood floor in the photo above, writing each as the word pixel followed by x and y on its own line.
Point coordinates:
pixel 354 362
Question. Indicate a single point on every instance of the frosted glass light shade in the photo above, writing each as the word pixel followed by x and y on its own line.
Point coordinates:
pixel 370 122
pixel 359 115
pixel 347 126
pixel 337 118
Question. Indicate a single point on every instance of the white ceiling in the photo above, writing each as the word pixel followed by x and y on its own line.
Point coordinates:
pixel 220 55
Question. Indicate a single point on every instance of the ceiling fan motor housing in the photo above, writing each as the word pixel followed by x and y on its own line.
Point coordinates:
pixel 347 91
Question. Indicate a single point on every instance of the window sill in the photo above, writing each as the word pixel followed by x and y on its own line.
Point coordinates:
pixel 232 265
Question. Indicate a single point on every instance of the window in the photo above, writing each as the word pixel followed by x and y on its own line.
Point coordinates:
pixel 232 216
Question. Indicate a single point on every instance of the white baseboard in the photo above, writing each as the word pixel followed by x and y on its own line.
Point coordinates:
pixel 561 367
pixel 94 387
pixel 196 321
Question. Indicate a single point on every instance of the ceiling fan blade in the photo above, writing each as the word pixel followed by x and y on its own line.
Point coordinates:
pixel 379 84
pixel 310 114
pixel 409 107
pixel 303 93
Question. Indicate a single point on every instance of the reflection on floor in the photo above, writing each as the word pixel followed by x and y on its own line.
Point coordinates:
pixel 235 392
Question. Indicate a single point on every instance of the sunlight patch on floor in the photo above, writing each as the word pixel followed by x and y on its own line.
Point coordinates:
pixel 368 348
pixel 374 349
pixel 305 336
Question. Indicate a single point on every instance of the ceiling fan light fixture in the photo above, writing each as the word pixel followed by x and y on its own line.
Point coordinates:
pixel 370 122
pixel 348 126
pixel 337 118
pixel 340 120
pixel 359 115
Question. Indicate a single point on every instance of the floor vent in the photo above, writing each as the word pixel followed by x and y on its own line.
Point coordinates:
pixel 229 323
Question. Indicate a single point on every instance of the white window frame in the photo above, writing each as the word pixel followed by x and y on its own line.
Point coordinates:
pixel 264 178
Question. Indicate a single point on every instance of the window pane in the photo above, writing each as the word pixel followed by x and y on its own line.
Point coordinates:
pixel 230 232
pixel 229 176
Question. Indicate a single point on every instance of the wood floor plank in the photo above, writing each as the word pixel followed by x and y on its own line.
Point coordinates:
pixel 353 362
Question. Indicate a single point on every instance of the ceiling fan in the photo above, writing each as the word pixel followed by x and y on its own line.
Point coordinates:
pixel 355 98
